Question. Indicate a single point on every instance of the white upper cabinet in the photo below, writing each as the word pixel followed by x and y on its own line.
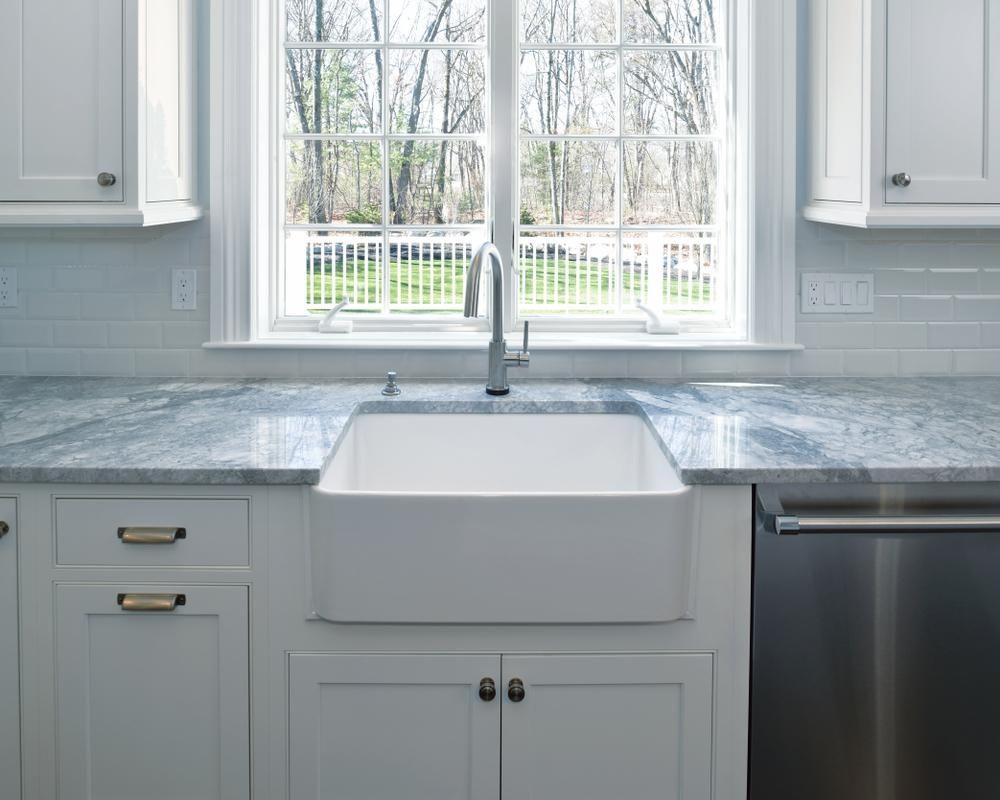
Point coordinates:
pixel 98 122
pixel 904 113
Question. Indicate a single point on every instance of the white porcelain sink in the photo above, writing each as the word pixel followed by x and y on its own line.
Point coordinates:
pixel 501 518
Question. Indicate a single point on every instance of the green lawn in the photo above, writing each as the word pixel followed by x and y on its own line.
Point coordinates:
pixel 434 285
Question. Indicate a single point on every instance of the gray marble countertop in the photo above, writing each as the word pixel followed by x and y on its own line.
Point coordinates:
pixel 100 430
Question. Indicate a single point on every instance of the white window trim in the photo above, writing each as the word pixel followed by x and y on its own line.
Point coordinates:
pixel 242 83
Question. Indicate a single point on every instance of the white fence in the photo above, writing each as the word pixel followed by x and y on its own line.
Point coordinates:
pixel 566 274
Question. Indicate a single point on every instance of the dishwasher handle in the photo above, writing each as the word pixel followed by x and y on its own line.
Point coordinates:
pixel 776 520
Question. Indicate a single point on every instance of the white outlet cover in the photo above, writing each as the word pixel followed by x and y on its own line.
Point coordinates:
pixel 837 293
pixel 184 290
pixel 8 287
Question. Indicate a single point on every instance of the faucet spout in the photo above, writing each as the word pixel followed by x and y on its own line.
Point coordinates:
pixel 488 253
pixel 500 358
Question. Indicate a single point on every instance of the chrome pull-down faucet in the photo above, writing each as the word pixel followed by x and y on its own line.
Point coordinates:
pixel 501 359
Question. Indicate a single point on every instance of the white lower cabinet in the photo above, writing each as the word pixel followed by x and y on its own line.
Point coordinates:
pixel 574 727
pixel 630 727
pixel 152 704
pixel 10 714
pixel 385 727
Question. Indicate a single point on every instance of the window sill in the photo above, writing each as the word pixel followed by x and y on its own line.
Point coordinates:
pixel 540 342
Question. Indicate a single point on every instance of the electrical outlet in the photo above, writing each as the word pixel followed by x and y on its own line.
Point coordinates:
pixel 184 293
pixel 838 293
pixel 8 287
pixel 813 294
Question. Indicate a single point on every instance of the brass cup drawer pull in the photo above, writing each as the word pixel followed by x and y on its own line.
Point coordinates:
pixel 151 602
pixel 151 535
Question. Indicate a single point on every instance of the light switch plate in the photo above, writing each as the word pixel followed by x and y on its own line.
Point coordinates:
pixel 8 287
pixel 184 294
pixel 838 293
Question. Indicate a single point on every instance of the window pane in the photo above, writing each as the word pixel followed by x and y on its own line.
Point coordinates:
pixel 670 21
pixel 672 272
pixel 568 92
pixel 437 20
pixel 327 266
pixel 427 269
pixel 672 183
pixel 568 183
pixel 437 91
pixel 336 20
pixel 346 98
pixel 437 182
pixel 569 21
pixel 567 273
pixel 333 182
pixel 671 92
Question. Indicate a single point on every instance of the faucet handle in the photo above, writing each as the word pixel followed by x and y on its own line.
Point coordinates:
pixel 519 358
pixel 524 349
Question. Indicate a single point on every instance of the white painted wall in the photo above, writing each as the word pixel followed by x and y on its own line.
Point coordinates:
pixel 98 303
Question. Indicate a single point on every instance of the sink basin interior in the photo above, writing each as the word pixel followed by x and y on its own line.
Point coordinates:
pixel 499 454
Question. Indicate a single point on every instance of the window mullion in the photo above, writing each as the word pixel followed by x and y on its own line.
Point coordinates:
pixel 503 142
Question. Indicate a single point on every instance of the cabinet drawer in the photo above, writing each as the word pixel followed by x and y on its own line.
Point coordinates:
pixel 130 532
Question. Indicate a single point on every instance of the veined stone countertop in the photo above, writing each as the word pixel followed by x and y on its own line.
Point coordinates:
pixel 105 430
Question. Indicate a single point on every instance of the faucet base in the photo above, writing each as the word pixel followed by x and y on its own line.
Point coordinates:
pixel 498 392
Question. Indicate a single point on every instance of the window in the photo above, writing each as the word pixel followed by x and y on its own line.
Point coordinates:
pixel 387 130
pixel 617 151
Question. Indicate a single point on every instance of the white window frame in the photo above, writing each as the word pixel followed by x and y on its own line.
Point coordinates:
pixel 245 238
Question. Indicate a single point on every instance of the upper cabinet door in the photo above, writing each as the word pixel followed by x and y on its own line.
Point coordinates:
pixel 61 92
pixel 10 717
pixel 637 727
pixel 943 101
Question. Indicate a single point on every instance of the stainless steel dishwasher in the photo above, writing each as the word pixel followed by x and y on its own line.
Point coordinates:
pixel 876 643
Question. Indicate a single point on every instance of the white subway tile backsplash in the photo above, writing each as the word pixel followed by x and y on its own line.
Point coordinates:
pixel 136 335
pixel 53 252
pixel 98 302
pixel 162 363
pixel 53 362
pixel 985 308
pixel 952 281
pixel 52 305
pixel 185 335
pixel 815 363
pixel 110 306
pixel 953 334
pixel 25 333
pixel 900 281
pixel 12 361
pixel 927 308
pixel 80 334
pixel 977 362
pixel 871 363
pixel 118 363
pixel 665 365
pixel 71 279
pixel 898 335
pixel 925 362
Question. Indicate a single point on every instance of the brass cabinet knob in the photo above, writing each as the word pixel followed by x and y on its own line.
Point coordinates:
pixel 4 528
pixel 487 690
pixel 515 690
pixel 107 179
pixel 902 180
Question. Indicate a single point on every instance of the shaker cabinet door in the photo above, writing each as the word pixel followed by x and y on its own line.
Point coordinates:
pixel 61 92
pixel 393 727
pixel 943 101
pixel 152 704
pixel 634 727
pixel 10 690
